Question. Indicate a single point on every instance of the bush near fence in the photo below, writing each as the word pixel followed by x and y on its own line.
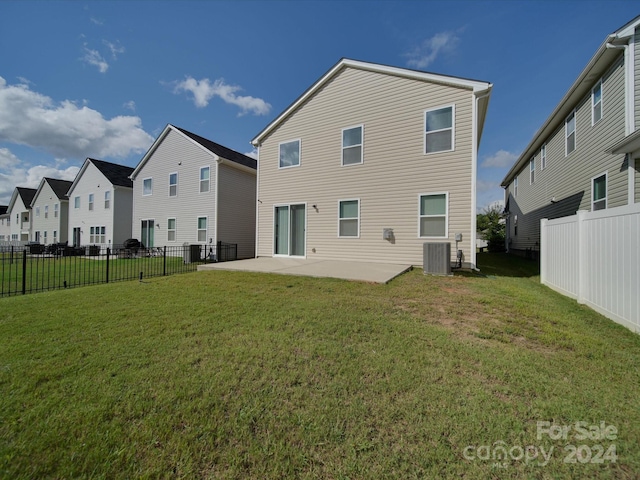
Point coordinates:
pixel 36 268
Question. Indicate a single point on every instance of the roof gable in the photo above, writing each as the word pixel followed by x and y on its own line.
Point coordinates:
pixel 214 149
pixel 117 175
pixel 475 86
pixel 25 194
pixel 59 187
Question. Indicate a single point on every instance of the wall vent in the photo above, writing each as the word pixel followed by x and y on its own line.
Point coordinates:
pixel 436 258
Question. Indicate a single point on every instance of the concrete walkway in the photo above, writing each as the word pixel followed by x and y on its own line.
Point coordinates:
pixel 363 271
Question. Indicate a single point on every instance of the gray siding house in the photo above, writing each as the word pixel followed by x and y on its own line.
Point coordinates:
pixel 586 154
pixel 188 189
pixel 100 204
pixel 371 162
pixel 50 207
pixel 20 213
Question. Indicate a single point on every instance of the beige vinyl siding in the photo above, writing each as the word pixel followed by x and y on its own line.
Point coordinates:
pixel 568 178
pixel 237 209
pixel 636 77
pixel 394 172
pixel 175 153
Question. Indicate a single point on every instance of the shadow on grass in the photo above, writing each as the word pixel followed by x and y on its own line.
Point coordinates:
pixel 506 265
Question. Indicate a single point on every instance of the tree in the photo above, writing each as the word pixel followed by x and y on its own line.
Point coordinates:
pixel 491 225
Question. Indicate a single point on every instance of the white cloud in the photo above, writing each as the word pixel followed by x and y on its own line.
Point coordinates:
pixel 114 49
pixel 501 158
pixel 64 129
pixel 203 91
pixel 253 153
pixel 15 174
pixel 427 52
pixel 93 57
pixel 130 105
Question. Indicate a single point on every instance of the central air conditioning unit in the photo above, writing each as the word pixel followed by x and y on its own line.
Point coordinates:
pixel 436 258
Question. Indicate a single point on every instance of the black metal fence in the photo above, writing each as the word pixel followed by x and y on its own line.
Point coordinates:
pixel 37 268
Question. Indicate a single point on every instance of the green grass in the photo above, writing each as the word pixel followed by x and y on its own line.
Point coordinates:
pixel 242 375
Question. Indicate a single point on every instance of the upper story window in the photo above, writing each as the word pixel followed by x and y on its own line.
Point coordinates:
pixel 434 215
pixel 91 201
pixel 543 157
pixel 37 211
pixel 46 211
pixel 570 133
pixel 439 135
pixel 289 154
pixel 599 192
pixel 147 186
pixel 107 199
pixel 76 202
pixel 173 184
pixel 204 179
pixel 596 103
pixel 532 171
pixel 55 210
pixel 349 218
pixel 352 145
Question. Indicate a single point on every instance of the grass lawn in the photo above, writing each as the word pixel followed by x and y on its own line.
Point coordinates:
pixel 242 375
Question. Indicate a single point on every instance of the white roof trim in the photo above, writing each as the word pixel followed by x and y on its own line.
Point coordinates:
pixel 474 85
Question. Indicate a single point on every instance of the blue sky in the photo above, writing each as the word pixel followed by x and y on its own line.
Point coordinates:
pixel 102 79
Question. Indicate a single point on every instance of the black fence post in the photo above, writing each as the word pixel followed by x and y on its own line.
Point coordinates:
pixel 108 254
pixel 24 271
pixel 164 261
pixel 219 251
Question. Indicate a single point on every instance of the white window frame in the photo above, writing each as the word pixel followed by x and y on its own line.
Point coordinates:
pixel 76 202
pixel 446 214
pixel 299 153
pixel 175 185
pixel 173 230
pixel 55 210
pixel 543 156
pixel 452 128
pixel 107 199
pixel 37 211
pixel 44 238
pixel 532 171
pixel 567 134
pixel 91 201
pixel 594 104
pixel 361 145
pixel 55 236
pixel 198 229
pixel 606 195
pixel 208 180
pixel 144 181
pixel 349 218
pixel 46 211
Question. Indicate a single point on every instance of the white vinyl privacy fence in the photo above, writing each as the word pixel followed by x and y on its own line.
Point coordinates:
pixel 594 257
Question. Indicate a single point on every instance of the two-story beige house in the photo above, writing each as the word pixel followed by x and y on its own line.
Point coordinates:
pixel 369 163
pixel 586 154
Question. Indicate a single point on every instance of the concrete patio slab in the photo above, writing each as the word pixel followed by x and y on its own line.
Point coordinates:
pixel 362 271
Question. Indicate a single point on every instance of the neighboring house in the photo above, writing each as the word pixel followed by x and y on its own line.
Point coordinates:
pixel 586 154
pixel 50 208
pixel 370 163
pixel 20 213
pixel 100 204
pixel 188 189
pixel 5 224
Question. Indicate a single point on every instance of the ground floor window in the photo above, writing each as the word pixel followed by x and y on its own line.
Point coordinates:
pixel 349 218
pixel 599 192
pixel 97 234
pixel 434 215
pixel 202 229
pixel 171 230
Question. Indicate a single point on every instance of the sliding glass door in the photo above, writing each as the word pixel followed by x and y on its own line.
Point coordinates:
pixel 289 230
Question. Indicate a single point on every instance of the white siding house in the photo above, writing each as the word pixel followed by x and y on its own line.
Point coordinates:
pixel 20 213
pixel 50 207
pixel 370 163
pixel 188 189
pixel 586 154
pixel 100 204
